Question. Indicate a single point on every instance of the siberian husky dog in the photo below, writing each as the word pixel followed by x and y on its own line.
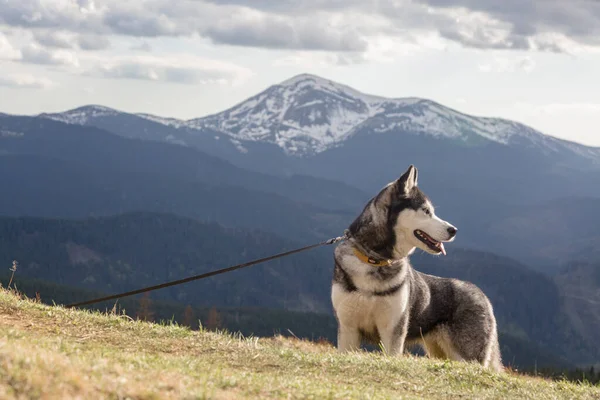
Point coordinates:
pixel 378 297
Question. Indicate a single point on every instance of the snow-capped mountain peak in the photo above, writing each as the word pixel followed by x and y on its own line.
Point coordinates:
pixel 314 82
pixel 307 114
pixel 81 115
pixel 304 114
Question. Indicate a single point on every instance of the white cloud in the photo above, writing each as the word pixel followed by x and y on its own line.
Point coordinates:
pixel 34 54
pixel 314 59
pixel 143 46
pixel 257 29
pixel 507 64
pixel 69 40
pixel 526 64
pixel 57 39
pixel 333 25
pixel 26 81
pixel 7 51
pixel 92 42
pixel 175 69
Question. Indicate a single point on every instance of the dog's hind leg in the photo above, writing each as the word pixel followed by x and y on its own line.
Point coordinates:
pixel 493 358
pixel 432 348
pixel 443 341
pixel 474 337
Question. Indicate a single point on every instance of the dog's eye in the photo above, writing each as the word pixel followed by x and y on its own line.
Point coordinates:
pixel 427 211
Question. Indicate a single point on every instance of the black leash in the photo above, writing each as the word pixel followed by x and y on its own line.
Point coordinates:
pixel 208 274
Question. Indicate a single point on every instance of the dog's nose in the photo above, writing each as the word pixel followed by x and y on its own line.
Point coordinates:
pixel 452 231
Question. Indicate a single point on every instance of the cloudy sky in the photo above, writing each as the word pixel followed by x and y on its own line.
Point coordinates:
pixel 534 61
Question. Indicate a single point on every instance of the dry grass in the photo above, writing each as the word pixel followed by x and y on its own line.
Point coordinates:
pixel 54 353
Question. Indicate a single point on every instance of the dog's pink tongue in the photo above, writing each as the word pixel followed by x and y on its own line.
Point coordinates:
pixel 442 248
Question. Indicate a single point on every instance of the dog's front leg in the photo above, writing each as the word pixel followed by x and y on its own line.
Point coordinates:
pixel 348 339
pixel 393 337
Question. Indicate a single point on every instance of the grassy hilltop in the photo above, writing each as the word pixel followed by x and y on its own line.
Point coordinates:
pixel 54 353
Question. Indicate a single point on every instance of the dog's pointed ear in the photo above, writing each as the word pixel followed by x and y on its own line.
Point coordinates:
pixel 401 187
pixel 408 180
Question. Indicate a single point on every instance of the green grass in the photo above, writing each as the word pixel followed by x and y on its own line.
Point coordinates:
pixel 55 353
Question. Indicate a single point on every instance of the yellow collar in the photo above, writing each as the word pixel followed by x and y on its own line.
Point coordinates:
pixel 362 257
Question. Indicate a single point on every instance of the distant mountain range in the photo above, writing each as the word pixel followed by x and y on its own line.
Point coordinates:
pixel 307 114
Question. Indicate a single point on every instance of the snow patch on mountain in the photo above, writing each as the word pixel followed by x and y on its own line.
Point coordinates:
pixel 173 122
pixel 174 140
pixel 10 134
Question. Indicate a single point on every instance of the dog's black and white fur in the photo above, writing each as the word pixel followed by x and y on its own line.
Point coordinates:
pixel 394 305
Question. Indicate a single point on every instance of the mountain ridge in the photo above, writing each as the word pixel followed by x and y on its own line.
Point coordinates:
pixel 307 114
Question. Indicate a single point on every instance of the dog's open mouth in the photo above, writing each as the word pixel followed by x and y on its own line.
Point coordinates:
pixel 434 245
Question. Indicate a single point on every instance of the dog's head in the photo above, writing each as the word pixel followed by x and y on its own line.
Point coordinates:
pixel 416 221
pixel 401 218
